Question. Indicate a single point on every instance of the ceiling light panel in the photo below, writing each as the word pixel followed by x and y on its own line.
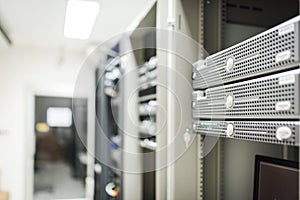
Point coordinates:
pixel 80 18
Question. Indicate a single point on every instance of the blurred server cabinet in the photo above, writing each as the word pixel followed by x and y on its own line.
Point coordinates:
pixel 108 142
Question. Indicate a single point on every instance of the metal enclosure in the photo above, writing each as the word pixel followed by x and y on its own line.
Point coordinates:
pixel 229 168
pixel 226 172
pixel 276 49
pixel 274 96
pixel 108 140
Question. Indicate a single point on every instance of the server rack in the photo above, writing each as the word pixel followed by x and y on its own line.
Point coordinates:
pixel 219 109
pixel 148 127
pixel 109 141
pixel 231 11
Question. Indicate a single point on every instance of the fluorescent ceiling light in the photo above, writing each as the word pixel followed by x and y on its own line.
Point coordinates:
pixel 80 18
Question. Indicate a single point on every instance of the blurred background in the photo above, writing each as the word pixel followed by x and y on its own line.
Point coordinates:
pixel 39 66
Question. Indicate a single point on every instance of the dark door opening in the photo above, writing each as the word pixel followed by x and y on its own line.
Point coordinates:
pixel 60 157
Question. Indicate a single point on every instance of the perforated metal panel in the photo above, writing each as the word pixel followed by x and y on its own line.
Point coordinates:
pixel 260 131
pixel 273 50
pixel 275 96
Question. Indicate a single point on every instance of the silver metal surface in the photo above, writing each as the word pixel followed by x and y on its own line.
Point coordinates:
pixel 260 131
pixel 273 50
pixel 275 96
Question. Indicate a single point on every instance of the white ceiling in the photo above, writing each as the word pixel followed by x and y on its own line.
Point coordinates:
pixel 40 22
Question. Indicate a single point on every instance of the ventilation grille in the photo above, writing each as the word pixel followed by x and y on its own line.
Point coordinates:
pixel 273 50
pixel 273 96
pixel 254 131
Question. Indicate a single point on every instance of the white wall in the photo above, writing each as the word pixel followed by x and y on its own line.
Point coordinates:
pixel 21 70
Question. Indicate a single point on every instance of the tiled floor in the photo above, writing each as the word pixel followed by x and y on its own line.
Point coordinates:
pixel 54 181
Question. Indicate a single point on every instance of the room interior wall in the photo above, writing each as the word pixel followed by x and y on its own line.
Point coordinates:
pixel 22 70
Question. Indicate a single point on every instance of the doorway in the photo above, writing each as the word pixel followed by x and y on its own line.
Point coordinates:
pixel 60 158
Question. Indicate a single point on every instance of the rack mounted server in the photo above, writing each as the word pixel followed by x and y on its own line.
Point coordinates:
pixel 274 96
pixel 271 51
pixel 276 132
pixel 250 91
